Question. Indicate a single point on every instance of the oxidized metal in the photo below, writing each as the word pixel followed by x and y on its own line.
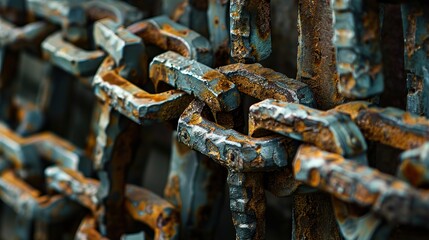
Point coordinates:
pixel 196 79
pixel 358 184
pixel 227 147
pixel 357 42
pixel 168 35
pixel 389 126
pixel 70 58
pixel 331 131
pixel 250 30
pixel 262 83
pixel 141 205
pixel 415 20
pixel 414 166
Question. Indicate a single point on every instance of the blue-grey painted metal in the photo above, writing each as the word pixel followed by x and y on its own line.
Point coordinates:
pixel 357 43
pixel 71 58
pixel 250 30
pixel 196 79
pixel 415 20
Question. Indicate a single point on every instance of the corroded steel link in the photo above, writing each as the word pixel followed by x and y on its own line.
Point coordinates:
pixel 87 230
pixel 245 159
pixel 121 12
pixel 195 185
pixel 247 204
pixel 116 144
pixel 200 209
pixel 12 35
pixel 121 45
pixel 331 131
pixel 390 126
pixel 132 101
pixel 70 15
pixel 415 20
pixel 218 30
pixel 415 165
pixel 262 83
pixel 394 200
pixel 65 13
pixel 30 203
pixel 196 79
pixel 357 41
pixel 166 34
pixel 227 147
pixel 250 30
pixel 316 65
pixel 27 152
pixel 142 205
pixel 190 13
pixel 71 58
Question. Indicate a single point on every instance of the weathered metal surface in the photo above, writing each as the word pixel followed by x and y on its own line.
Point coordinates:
pixel 168 35
pixel 262 83
pixel 141 205
pixel 195 186
pixel 123 46
pixel 27 152
pixel 228 147
pixel 250 30
pixel 414 166
pixel 218 28
pixel 334 132
pixel 121 12
pixel 415 20
pixel 316 54
pixel 329 131
pixel 362 185
pixel 132 101
pixel 26 35
pixel 114 150
pixel 69 57
pixel 247 204
pixel 389 126
pixel 357 42
pixel 196 79
pixel 30 203
pixel 190 13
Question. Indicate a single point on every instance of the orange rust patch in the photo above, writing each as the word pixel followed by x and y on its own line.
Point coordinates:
pixel 180 33
pixel 113 78
pixel 414 174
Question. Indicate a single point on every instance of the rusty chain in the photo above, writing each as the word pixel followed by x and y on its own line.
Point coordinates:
pixel 194 70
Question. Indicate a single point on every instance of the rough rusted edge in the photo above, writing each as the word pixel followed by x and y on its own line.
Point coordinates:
pixel 250 30
pixel 227 147
pixel 357 42
pixel 132 101
pixel 394 200
pixel 334 132
pixel 196 79
pixel 262 83
pixel 390 126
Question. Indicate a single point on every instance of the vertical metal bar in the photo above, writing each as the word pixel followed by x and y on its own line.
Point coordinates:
pixel 196 186
pixel 357 43
pixel 250 30
pixel 415 21
pixel 247 204
pixel 312 213
pixel 316 54
pixel 116 144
